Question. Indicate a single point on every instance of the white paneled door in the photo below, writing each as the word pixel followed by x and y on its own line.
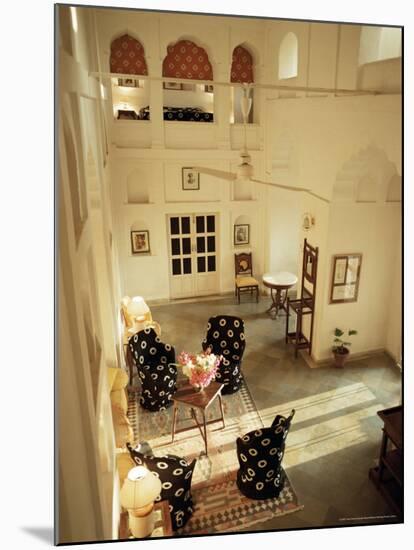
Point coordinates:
pixel 193 254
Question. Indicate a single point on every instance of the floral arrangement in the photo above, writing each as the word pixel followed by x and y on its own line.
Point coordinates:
pixel 201 368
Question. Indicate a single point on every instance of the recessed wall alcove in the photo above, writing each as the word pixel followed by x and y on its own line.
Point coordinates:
pixel 367 176
pixel 137 188
pixel 288 57
pixel 394 189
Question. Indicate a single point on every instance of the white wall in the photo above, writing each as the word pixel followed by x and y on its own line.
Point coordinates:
pixel 148 275
pixel 325 137
pixel 372 230
pixel 394 329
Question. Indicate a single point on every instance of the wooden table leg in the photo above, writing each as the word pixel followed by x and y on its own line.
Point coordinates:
pixel 221 409
pixel 205 431
pixel 174 422
pixel 277 300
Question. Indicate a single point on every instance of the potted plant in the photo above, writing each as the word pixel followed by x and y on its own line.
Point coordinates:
pixel 340 348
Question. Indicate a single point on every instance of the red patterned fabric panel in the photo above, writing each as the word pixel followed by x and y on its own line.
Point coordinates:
pixel 242 65
pixel 187 60
pixel 127 56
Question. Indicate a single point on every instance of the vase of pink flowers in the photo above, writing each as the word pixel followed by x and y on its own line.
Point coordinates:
pixel 200 369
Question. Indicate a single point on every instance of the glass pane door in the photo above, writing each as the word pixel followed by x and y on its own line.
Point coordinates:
pixel 193 254
pixel 180 245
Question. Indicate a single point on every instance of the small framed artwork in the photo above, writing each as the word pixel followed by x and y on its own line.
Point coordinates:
pixel 209 88
pixel 172 86
pixel 346 269
pixel 242 234
pixel 128 82
pixel 140 242
pixel 190 179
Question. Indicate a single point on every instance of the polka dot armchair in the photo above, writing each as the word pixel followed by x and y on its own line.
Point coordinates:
pixel 154 361
pixel 260 453
pixel 225 336
pixel 175 474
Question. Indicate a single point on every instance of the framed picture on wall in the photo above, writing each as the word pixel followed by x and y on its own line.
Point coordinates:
pixel 242 234
pixel 140 242
pixel 346 269
pixel 190 179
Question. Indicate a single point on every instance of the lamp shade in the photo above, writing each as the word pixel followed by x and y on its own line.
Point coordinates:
pixel 140 488
pixel 137 307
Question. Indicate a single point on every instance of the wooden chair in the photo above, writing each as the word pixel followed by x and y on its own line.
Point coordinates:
pixel 304 306
pixel 244 281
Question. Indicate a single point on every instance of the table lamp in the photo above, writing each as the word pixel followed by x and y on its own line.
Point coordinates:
pixel 138 308
pixel 138 493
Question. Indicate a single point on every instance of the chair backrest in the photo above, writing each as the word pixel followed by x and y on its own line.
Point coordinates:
pixel 147 349
pixel 260 453
pixel 225 336
pixel 243 264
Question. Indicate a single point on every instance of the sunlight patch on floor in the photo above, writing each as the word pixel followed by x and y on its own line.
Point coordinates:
pixel 320 404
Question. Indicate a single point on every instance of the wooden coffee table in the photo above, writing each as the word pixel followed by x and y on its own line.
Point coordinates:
pixel 197 400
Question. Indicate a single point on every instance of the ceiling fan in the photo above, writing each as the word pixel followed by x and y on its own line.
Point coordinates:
pixel 244 171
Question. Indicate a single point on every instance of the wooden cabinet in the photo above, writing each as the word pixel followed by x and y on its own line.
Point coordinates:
pixel 388 476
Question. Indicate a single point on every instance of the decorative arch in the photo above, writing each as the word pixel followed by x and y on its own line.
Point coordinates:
pixel 242 65
pixel 367 176
pixel 128 56
pixel 288 56
pixel 185 59
pixel 394 189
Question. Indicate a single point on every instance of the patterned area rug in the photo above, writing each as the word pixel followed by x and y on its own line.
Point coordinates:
pixel 154 430
pixel 218 504
pixel 220 507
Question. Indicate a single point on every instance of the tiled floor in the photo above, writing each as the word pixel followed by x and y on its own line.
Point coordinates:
pixel 336 434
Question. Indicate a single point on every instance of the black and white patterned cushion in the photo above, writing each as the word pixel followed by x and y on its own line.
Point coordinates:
pixel 260 453
pixel 175 474
pixel 157 373
pixel 225 336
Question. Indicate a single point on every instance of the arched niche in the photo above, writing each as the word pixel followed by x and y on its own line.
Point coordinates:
pixel 185 59
pixel 366 189
pixel 378 43
pixel 242 65
pixel 288 56
pixel 127 56
pixel 364 177
pixel 137 188
pixel 394 189
pixel 242 190
pixel 241 72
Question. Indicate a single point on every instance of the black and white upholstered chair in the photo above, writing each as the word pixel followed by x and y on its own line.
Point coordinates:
pixel 175 474
pixel 260 453
pixel 225 336
pixel 154 361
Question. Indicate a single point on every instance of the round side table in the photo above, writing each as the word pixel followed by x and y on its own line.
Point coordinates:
pixel 279 284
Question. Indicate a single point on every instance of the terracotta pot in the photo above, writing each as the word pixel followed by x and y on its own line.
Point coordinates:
pixel 340 358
